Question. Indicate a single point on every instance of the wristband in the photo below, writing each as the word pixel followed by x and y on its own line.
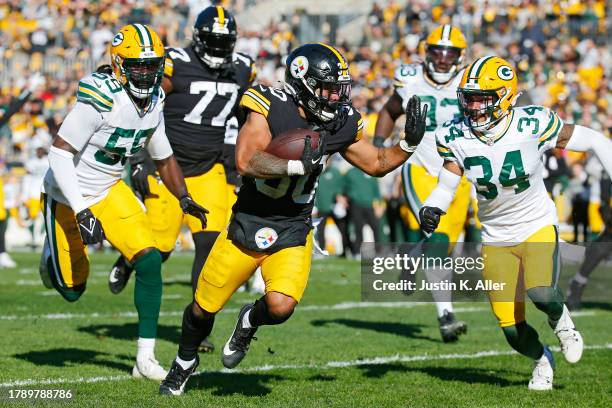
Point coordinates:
pixel 407 148
pixel 295 168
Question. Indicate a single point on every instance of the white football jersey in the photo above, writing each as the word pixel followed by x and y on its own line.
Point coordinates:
pixel 106 128
pixel 507 171
pixel 32 182
pixel 443 106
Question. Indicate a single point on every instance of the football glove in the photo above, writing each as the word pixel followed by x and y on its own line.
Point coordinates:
pixel 311 158
pixel 139 180
pixel 194 209
pixel 429 218
pixel 89 227
pixel 414 129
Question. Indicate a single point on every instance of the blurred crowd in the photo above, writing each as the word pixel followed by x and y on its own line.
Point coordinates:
pixel 559 48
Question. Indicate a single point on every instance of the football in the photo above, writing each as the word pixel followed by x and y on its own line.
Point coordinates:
pixel 290 144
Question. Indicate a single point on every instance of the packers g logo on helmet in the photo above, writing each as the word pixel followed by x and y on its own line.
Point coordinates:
pixel 137 58
pixel 444 51
pixel 492 82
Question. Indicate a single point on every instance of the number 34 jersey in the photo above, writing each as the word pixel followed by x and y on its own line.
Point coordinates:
pixel 507 171
pixel 200 104
pixel 442 106
pixel 105 128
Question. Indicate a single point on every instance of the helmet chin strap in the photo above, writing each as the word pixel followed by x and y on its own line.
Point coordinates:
pixel 441 77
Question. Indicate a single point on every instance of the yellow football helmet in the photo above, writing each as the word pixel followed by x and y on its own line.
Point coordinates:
pixel 487 92
pixel 444 51
pixel 137 58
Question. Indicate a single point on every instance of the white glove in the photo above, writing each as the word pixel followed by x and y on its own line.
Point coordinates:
pixel 35 81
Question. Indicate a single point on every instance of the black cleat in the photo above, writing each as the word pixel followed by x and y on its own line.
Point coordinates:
pixel 174 383
pixel 119 275
pixel 206 346
pixel 238 344
pixel 574 295
pixel 451 328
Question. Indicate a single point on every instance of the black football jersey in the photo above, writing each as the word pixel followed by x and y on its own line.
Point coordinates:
pixel 200 104
pixel 267 202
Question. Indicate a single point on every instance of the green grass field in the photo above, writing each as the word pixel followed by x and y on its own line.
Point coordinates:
pixel 334 352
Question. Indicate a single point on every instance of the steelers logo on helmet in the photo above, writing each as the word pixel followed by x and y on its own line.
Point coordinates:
pixel 316 75
pixel 118 39
pixel 299 67
pixel 505 72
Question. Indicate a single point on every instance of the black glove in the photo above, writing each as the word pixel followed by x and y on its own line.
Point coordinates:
pixel 192 208
pixel 89 227
pixel 429 218
pixel 415 121
pixel 139 180
pixel 311 158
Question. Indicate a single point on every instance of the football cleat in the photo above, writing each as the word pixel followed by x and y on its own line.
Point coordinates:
pixel 174 383
pixel 6 261
pixel 238 344
pixel 148 368
pixel 450 327
pixel 206 346
pixel 574 294
pixel 543 371
pixel 119 275
pixel 570 339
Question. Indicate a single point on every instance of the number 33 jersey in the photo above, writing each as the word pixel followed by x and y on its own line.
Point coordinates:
pixel 442 106
pixel 105 128
pixel 201 102
pixel 507 171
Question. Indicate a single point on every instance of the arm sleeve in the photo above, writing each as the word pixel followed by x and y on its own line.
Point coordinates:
pixel 61 163
pixel 586 139
pixel 80 124
pixel 443 194
pixel 159 147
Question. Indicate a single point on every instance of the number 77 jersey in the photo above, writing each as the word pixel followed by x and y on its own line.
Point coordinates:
pixel 507 171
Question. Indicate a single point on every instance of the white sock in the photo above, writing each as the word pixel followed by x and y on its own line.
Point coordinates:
pixel 185 364
pixel 581 279
pixel 146 348
pixel 444 306
pixel 246 323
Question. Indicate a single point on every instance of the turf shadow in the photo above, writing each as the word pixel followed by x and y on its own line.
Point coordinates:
pixel 468 375
pixel 129 331
pixel 400 329
pixel 597 305
pixel 223 384
pixel 67 357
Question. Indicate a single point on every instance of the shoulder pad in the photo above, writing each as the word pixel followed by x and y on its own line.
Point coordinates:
pixel 98 90
pixel 405 73
pixel 258 99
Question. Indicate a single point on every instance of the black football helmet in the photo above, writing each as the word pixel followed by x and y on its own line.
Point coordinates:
pixel 318 78
pixel 214 36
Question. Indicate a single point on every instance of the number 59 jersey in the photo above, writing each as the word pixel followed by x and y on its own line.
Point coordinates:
pixel 106 128
pixel 507 171
pixel 200 104
pixel 442 105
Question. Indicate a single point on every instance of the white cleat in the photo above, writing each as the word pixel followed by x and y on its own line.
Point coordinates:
pixel 570 339
pixel 6 261
pixel 542 376
pixel 148 367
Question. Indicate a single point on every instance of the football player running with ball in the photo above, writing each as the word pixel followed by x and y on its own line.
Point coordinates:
pixel 203 85
pixel 271 224
pixel 85 201
pixel 435 81
pixel 499 147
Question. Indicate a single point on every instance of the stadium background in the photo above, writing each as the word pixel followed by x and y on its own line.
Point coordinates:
pixel 558 47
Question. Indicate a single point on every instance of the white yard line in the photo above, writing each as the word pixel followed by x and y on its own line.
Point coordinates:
pixel 306 308
pixel 325 365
